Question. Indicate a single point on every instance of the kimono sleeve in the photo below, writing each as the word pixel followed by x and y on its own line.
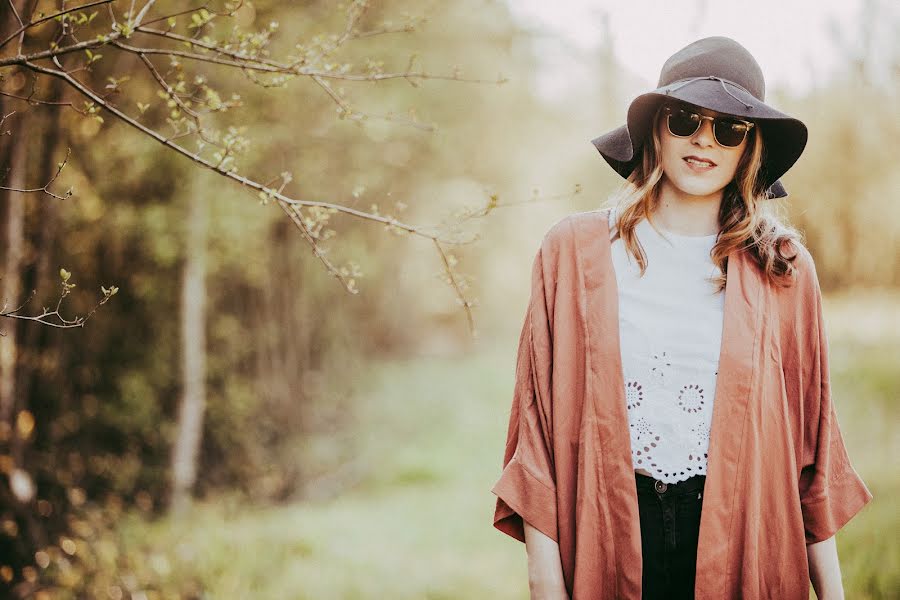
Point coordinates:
pixel 831 492
pixel 526 489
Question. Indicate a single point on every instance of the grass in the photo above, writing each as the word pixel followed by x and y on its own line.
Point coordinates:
pixel 418 525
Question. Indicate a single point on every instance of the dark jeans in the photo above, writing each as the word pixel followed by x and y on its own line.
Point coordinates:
pixel 670 527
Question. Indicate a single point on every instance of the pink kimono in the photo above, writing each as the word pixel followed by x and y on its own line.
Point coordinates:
pixel 778 475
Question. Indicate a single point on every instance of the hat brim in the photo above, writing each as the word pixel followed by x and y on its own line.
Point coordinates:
pixel 784 137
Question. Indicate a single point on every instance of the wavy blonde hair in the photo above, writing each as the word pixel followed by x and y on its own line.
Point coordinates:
pixel 747 218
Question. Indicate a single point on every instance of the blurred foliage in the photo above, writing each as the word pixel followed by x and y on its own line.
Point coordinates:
pixel 293 414
pixel 843 188
pixel 284 341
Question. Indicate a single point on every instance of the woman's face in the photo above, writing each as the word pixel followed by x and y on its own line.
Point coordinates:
pixel 690 178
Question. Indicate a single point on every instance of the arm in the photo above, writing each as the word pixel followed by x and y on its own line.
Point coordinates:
pixel 825 570
pixel 526 489
pixel 545 578
pixel 831 491
pixel 527 497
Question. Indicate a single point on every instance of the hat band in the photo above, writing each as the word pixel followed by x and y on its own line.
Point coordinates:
pixel 683 82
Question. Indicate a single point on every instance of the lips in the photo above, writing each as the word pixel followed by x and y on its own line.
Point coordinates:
pixel 701 163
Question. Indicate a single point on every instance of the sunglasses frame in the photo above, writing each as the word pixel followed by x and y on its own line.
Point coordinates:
pixel 668 110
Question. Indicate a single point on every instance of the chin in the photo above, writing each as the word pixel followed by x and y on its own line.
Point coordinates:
pixel 698 190
pixel 692 187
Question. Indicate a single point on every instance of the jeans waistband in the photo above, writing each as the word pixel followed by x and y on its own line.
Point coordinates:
pixel 655 486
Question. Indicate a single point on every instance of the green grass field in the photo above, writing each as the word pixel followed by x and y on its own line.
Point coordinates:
pixel 418 523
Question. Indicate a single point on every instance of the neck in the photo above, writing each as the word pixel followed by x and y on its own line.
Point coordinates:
pixel 687 214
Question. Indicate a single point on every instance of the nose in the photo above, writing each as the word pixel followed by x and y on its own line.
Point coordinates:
pixel 705 135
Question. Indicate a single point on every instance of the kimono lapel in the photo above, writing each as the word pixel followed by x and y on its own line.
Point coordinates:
pixel 741 338
pixel 606 407
pixel 605 404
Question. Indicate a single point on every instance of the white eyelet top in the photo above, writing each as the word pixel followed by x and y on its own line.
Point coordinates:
pixel 670 327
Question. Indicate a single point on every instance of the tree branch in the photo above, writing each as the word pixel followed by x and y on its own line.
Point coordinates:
pixel 47 314
pixel 45 187
pixel 311 65
pixel 23 27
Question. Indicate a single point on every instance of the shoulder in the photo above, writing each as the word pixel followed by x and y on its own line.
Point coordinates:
pixel 799 303
pixel 562 235
pixel 805 276
pixel 796 248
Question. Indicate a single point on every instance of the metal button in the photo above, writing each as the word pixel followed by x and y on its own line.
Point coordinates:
pixel 661 486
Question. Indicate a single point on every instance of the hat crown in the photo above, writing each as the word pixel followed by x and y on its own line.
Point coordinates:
pixel 715 56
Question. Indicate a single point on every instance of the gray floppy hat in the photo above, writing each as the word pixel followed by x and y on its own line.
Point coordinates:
pixel 719 74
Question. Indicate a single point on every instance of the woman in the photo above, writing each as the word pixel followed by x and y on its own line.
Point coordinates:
pixel 672 433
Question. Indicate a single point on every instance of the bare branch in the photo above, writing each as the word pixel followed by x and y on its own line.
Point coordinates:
pixel 21 31
pixel 242 62
pixel 238 178
pixel 310 64
pixel 45 187
pixel 354 12
pixel 293 213
pixel 143 12
pixel 35 101
pixel 403 75
pixel 349 112
pixel 47 316
pixel 23 27
pixel 384 30
pixel 56 52
pixel 227 13
pixel 391 222
pixel 467 304
pixel 177 99
pixel 3 119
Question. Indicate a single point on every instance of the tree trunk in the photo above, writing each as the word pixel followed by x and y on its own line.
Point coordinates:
pixel 44 280
pixel 11 285
pixel 193 338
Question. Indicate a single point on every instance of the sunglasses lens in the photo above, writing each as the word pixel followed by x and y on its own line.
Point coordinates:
pixel 683 122
pixel 730 133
